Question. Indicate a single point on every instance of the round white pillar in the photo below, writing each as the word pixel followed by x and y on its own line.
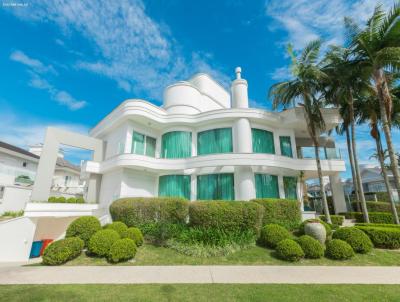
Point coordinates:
pixel 240 98
pixel 242 136
pixel 244 183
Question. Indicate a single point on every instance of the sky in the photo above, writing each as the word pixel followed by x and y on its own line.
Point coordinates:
pixel 69 63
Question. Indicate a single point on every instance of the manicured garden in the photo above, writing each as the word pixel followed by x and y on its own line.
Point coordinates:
pixel 173 231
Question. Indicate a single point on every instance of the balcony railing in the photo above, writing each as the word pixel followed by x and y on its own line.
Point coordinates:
pixel 324 153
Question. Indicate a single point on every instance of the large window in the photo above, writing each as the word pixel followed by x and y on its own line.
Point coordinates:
pixel 174 185
pixel 215 187
pixel 176 144
pixel 214 141
pixel 286 146
pixel 266 186
pixel 290 185
pixel 143 145
pixel 263 141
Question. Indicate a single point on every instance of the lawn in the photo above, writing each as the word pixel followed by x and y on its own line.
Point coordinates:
pixel 200 292
pixel 152 255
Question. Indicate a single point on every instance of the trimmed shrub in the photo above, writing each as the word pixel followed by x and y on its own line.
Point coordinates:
pixel 336 219
pixel 135 234
pixel 226 215
pixel 284 212
pixel 377 206
pixel 272 234
pixel 139 211
pixel 71 200
pixel 311 247
pixel 52 199
pixel 83 227
pixel 61 251
pixel 383 237
pixel 119 227
pixel 357 239
pixel 328 229
pixel 289 250
pixel 80 200
pixel 101 242
pixel 122 250
pixel 159 233
pixel 337 249
pixel 385 225
pixel 374 217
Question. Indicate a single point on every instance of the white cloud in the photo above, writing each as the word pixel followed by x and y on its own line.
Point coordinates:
pixel 281 74
pixel 135 51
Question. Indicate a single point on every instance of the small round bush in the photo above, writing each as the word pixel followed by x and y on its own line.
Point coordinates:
pixel 101 242
pixel 311 247
pixel 71 200
pixel 80 200
pixel 63 250
pixel 61 199
pixel 52 199
pixel 328 228
pixel 122 250
pixel 289 250
pixel 119 227
pixel 83 227
pixel 135 234
pixel 339 250
pixel 272 234
pixel 357 239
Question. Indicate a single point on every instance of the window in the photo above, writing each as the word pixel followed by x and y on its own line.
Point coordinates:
pixel 286 146
pixel 174 186
pixel 24 164
pixel 143 145
pixel 215 187
pixel 67 179
pixel 266 186
pixel 2 189
pixel 214 141
pixel 263 141
pixel 176 144
pixel 290 185
pixel 121 148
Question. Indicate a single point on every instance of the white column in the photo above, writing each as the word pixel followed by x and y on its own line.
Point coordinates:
pixel 193 187
pixel 339 201
pixel 281 187
pixel 240 97
pixel 128 139
pixel 194 143
pixel 244 183
pixel 242 139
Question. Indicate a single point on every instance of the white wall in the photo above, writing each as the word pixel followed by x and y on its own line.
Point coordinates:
pixel 138 184
pixel 114 139
pixel 14 198
pixel 12 166
pixel 110 189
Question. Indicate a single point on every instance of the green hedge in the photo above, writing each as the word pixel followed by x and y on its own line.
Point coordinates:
pixel 289 250
pixel 377 206
pixel 374 217
pixel 358 240
pixel 61 199
pixel 285 212
pixel 84 228
pixel 139 210
pixel 63 250
pixel 385 225
pixel 226 215
pixel 336 219
pixel 383 237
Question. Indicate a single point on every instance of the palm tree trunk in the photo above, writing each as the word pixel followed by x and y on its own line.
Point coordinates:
pixel 384 98
pixel 381 158
pixel 353 173
pixel 357 168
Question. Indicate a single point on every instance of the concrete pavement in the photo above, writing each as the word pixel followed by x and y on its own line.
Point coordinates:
pixel 199 274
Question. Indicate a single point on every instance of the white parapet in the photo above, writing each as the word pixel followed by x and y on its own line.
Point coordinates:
pixel 36 209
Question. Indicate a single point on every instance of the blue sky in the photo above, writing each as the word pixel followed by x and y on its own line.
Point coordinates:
pixel 69 63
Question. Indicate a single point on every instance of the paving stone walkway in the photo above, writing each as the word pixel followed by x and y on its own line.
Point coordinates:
pixel 12 274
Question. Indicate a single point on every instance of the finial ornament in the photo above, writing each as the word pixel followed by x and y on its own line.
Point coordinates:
pixel 238 70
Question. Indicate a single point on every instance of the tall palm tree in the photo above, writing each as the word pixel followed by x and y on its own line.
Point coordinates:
pixel 305 89
pixel 342 90
pixel 377 51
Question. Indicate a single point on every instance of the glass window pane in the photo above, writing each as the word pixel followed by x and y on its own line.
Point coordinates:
pixel 263 141
pixel 290 185
pixel 215 187
pixel 150 146
pixel 266 186
pixel 214 141
pixel 137 143
pixel 286 146
pixel 176 144
pixel 174 186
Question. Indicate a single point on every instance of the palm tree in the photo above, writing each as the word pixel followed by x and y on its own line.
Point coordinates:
pixel 377 52
pixel 305 89
pixel 342 90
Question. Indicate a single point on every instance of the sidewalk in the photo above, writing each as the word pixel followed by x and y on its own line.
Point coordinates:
pixel 199 274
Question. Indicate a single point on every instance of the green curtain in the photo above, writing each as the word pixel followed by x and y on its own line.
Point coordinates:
pixel 266 186
pixel 286 146
pixel 150 146
pixel 176 144
pixel 290 185
pixel 214 141
pixel 263 141
pixel 174 186
pixel 215 187
pixel 137 143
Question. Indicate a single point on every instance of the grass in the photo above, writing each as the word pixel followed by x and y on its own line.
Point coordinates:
pixel 200 292
pixel 152 255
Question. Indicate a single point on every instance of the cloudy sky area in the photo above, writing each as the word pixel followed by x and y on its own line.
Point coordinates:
pixel 69 63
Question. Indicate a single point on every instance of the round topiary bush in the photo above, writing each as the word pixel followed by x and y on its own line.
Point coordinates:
pixel 84 228
pixel 328 229
pixel 135 234
pixel 71 200
pixel 80 200
pixel 311 247
pixel 289 250
pixel 122 250
pixel 119 227
pixel 272 234
pixel 101 242
pixel 61 199
pixel 357 239
pixel 339 250
pixel 63 250
pixel 52 199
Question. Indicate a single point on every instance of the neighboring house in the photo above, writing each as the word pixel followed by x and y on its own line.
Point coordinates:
pixel 204 142
pixel 18 172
